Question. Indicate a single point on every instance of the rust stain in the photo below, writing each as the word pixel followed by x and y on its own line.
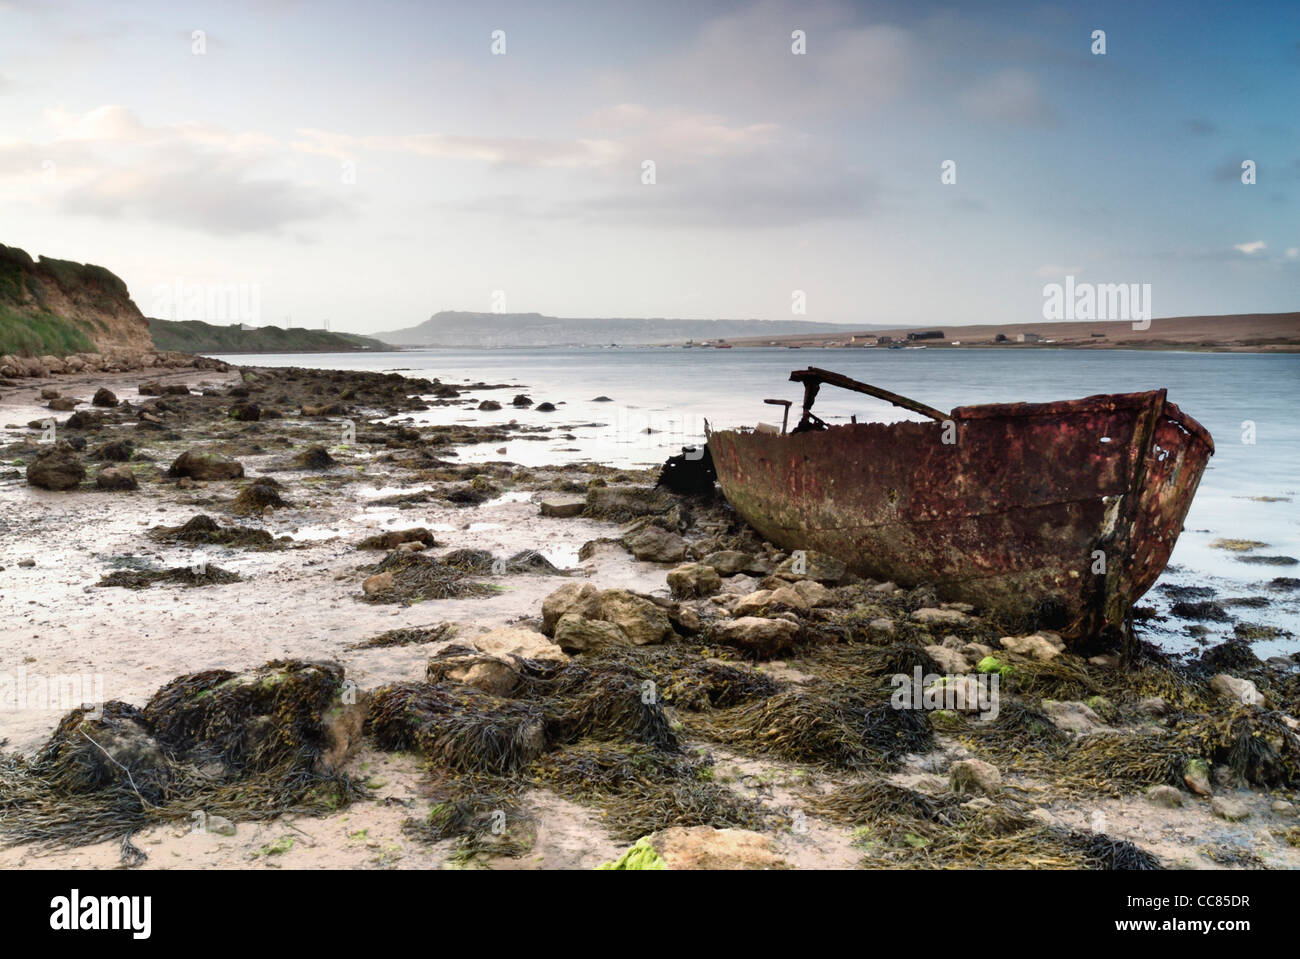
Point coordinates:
pixel 1011 517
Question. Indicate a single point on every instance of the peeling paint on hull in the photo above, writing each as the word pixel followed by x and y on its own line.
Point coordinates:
pixel 1013 517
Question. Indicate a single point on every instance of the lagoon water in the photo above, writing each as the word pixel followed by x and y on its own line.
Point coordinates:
pixel 1250 403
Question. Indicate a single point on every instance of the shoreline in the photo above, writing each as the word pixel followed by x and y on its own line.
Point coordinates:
pixel 308 600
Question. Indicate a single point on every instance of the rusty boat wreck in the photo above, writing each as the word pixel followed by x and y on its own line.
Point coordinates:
pixel 1055 514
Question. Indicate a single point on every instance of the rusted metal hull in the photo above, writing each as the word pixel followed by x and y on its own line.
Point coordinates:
pixel 1064 513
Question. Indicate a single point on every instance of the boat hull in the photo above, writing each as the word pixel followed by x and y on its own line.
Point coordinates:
pixel 1061 514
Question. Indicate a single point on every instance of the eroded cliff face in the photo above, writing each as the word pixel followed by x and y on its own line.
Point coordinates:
pixel 59 307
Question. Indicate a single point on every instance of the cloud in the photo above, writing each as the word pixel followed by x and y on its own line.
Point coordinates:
pixel 1010 97
pixel 1200 128
pixel 1293 253
pixel 508 151
pixel 107 163
pixel 1048 272
pixel 1250 248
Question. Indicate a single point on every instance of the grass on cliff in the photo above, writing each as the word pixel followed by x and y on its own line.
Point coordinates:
pixel 195 336
pixel 22 334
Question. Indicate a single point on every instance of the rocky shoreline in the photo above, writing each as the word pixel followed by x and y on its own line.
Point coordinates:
pixel 329 644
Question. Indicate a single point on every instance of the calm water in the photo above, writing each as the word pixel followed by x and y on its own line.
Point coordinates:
pixel 1249 490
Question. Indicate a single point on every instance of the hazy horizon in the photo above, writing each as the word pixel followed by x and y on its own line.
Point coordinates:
pixel 374 168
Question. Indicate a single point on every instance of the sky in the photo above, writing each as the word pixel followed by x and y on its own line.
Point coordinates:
pixel 369 164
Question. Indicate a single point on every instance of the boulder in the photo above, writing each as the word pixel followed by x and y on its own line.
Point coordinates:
pixel 64 404
pixel 563 507
pixel 104 397
pixel 1241 691
pixel 205 465
pixel 377 584
pixel 1035 646
pixel 975 775
pixel 1233 810
pixel 642 621
pixel 1166 796
pixel 932 616
pixel 496 675
pixel 578 634
pixel 787 597
pixel 752 603
pixel 516 641
pixel 56 467
pixel 814 593
pixel 657 545
pixel 728 562
pixel 116 478
pixel 1073 717
pixel 694 580
pixel 1196 776
pixel 622 503
pixel 763 637
pixel 581 598
pixel 949 660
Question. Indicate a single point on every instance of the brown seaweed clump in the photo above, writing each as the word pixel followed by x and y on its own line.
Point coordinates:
pixel 189 576
pixel 203 530
pixel 416 578
pixel 412 636
pixel 257 496
pixel 247 746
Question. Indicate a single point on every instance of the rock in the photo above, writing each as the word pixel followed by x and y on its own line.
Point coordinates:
pixel 752 603
pixel 882 627
pixel 49 393
pixel 728 562
pixel 1196 776
pixel 151 388
pixel 521 401
pixel 578 634
pixel 220 825
pixel 1241 691
pixel 642 621
pixel 116 478
pixel 379 583
pixel 787 597
pixel 1166 796
pixel 56 467
pixel 1283 808
pixel 1153 706
pixel 814 593
pixel 515 641
pixel 622 503
pixel 932 616
pixel 581 598
pixel 814 565
pixel 104 397
pixel 657 545
pixel 489 406
pixel 563 507
pixel 974 652
pixel 545 407
pixel 703 847
pixel 344 724
pixel 763 637
pixel 1232 810
pixel 314 458
pixel 245 413
pixel 492 674
pixel 204 465
pixel 64 404
pixel 975 775
pixel 1035 646
pixel 1073 717
pixel 393 538
pixel 694 580
pixel 949 660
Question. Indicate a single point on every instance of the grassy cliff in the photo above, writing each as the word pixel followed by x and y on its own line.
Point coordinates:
pixel 56 307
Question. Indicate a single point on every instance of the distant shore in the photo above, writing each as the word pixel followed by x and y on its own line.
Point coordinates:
pixel 1240 333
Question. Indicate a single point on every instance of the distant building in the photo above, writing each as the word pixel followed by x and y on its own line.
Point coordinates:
pixel 930 335
pixel 882 340
pixel 1028 338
